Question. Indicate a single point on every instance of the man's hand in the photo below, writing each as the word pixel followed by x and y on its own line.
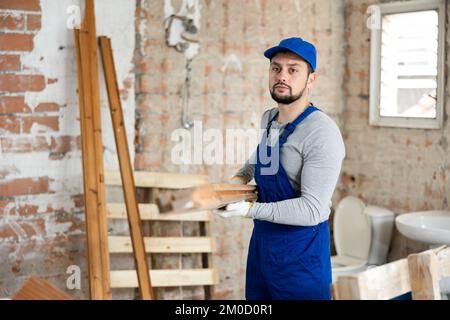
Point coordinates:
pixel 238 209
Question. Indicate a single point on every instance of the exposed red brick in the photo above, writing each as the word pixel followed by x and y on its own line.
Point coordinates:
pixel 24 144
pixel 16 267
pixel 16 42
pixel 33 227
pixel 24 186
pixel 26 5
pixel 6 231
pixel 26 229
pixel 149 161
pixel 27 210
pixel 9 124
pixel 207 70
pixel 153 85
pixel 51 80
pixel 63 144
pixel 127 83
pixel 6 207
pixel 347 179
pixel 78 200
pixel 56 156
pixel 33 22
pixel 21 83
pixel 76 223
pixel 13 105
pixel 46 107
pixel 9 62
pixel 49 122
pixel 12 22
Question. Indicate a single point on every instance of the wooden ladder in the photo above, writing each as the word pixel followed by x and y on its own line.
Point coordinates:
pixel 204 244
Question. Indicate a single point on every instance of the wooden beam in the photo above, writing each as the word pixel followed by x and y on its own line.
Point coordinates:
pixel 150 212
pixel 146 179
pixel 36 288
pixel 92 154
pixel 426 268
pixel 379 283
pixel 166 278
pixel 118 244
pixel 97 135
pixel 424 276
pixel 126 171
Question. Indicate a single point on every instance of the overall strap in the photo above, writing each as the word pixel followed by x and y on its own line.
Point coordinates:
pixel 290 127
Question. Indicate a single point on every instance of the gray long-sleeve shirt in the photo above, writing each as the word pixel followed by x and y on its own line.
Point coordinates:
pixel 312 157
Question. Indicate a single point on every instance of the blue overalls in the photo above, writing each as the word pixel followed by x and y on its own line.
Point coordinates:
pixel 284 261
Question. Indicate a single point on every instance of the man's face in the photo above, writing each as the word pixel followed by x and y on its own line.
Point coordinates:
pixel 288 77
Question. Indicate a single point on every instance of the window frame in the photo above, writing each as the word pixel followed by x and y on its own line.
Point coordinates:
pixel 375 117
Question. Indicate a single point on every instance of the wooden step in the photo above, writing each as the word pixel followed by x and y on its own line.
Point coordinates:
pixel 148 179
pixel 166 278
pixel 119 244
pixel 150 212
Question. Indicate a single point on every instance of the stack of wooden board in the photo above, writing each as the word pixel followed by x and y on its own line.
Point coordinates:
pixel 204 197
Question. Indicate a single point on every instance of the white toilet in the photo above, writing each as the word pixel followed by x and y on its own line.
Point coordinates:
pixel 362 235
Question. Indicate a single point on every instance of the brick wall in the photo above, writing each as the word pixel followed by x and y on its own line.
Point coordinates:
pixel 37 233
pixel 402 169
pixel 42 227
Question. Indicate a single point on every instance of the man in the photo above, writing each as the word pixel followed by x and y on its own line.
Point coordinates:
pixel 289 251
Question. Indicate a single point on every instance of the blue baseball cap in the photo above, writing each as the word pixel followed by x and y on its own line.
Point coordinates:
pixel 300 47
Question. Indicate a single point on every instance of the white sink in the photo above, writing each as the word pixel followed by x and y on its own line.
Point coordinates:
pixel 432 227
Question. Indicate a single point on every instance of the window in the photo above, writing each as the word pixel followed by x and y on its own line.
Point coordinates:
pixel 407 64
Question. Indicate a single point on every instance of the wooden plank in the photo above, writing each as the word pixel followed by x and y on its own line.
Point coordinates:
pixel 426 269
pixel 36 288
pixel 93 116
pixel 379 283
pixel 204 197
pixel 126 171
pixel 146 179
pixel 232 187
pixel 347 288
pixel 424 276
pixel 166 278
pixel 87 152
pixel 96 231
pixel 118 244
pixel 96 120
pixel 150 212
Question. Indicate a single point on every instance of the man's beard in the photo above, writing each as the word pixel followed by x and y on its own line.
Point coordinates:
pixel 286 99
